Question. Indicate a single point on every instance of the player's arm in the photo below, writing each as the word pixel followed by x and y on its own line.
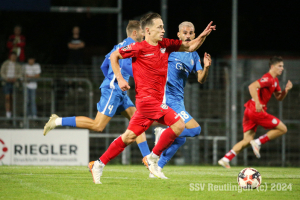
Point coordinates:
pixel 114 60
pixel 197 42
pixel 253 87
pixel 202 74
pixel 280 95
pixel 72 46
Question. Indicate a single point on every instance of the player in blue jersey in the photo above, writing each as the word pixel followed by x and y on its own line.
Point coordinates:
pixel 113 100
pixel 180 65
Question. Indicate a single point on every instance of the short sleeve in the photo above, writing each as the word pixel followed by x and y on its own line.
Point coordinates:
pixel 129 51
pixel 38 69
pixel 197 61
pixel 172 45
pixel 265 82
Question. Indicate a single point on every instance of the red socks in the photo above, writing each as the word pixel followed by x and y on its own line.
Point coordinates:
pixel 263 139
pixel 230 155
pixel 114 149
pixel 165 140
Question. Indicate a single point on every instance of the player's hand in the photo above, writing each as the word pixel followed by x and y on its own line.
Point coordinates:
pixel 208 29
pixel 289 85
pixel 207 60
pixel 124 86
pixel 259 107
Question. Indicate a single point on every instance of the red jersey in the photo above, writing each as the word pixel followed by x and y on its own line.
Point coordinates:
pixel 150 66
pixel 268 85
pixel 19 49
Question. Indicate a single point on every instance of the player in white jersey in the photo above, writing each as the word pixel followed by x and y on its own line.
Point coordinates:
pixel 180 65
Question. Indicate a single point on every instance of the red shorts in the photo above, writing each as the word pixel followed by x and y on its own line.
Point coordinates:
pixel 148 111
pixel 252 119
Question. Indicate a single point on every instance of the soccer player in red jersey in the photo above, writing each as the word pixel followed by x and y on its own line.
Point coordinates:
pixel 255 113
pixel 149 65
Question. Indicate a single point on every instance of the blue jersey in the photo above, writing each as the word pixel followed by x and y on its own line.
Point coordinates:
pixel 180 65
pixel 110 80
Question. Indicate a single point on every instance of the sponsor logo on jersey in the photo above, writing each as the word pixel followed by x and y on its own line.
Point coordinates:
pixel 180 67
pixel 274 121
pixel 128 47
pixel 150 54
pixel 164 106
pixel 264 79
pixel 163 50
pixel 192 62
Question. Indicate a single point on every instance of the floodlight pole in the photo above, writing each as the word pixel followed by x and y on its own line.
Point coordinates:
pixel 164 14
pixel 233 76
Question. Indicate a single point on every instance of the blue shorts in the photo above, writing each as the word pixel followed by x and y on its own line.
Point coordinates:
pixel 113 102
pixel 8 88
pixel 179 108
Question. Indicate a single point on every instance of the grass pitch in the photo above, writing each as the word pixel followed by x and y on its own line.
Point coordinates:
pixel 132 182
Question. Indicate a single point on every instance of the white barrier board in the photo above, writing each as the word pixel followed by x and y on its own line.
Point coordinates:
pixel 31 147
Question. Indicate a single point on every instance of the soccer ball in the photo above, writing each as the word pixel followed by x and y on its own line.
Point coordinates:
pixel 249 178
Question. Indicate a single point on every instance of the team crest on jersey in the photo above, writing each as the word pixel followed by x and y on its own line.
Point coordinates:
pixel 163 50
pixel 275 84
pixel 264 79
pixel 164 106
pixel 192 62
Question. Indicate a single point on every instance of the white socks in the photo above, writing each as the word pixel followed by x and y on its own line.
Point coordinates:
pixel 153 155
pixel 58 121
pixel 257 141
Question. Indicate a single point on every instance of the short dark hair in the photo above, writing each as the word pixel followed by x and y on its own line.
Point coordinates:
pixel 147 19
pixel 132 25
pixel 274 60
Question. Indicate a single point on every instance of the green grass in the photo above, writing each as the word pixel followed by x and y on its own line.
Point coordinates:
pixel 132 182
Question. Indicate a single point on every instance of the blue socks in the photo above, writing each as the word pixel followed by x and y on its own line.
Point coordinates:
pixel 190 132
pixel 68 121
pixel 144 148
pixel 170 152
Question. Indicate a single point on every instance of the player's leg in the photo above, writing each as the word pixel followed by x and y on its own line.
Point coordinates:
pixel 118 145
pixel 278 131
pixel 176 126
pixel 192 129
pixel 127 110
pixel 237 148
pixel 98 124
pixel 8 105
pixel 107 107
pixel 267 121
pixel 249 128
pixel 114 149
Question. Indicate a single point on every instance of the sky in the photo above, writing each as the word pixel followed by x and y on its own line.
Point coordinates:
pixel 264 27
